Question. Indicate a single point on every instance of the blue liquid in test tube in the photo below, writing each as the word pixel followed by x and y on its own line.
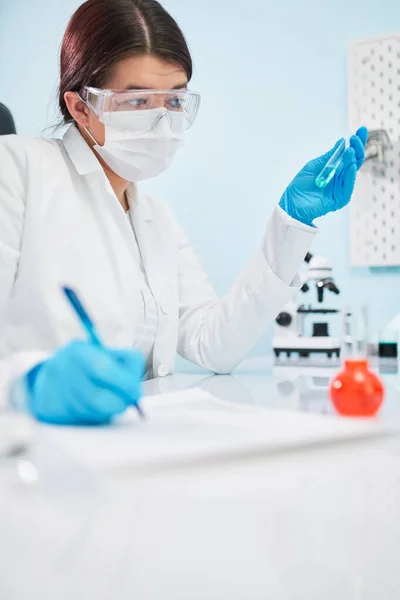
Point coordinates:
pixel 331 166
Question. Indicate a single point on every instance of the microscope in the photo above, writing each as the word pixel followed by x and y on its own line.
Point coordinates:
pixel 289 335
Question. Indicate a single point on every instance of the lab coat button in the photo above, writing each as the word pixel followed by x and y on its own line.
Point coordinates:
pixel 162 371
pixel 165 308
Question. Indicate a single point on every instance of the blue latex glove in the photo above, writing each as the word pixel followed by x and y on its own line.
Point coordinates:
pixel 304 201
pixel 83 384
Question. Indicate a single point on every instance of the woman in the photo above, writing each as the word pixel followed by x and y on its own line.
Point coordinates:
pixel 71 212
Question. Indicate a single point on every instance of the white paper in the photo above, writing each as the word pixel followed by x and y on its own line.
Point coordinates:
pixel 192 425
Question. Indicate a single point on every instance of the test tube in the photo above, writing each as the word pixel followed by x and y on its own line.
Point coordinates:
pixel 331 166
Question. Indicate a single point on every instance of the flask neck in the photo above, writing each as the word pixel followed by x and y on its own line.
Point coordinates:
pixel 356 363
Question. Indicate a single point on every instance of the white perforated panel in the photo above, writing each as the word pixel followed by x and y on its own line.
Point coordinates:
pixel 374 101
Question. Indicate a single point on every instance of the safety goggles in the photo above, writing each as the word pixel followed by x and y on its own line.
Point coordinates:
pixel 115 107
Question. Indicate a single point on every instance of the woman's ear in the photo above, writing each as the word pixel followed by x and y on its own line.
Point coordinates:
pixel 77 108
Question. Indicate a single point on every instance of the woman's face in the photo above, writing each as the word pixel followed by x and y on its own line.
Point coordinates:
pixel 139 72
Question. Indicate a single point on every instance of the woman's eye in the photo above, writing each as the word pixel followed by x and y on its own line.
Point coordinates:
pixel 137 103
pixel 133 104
pixel 175 104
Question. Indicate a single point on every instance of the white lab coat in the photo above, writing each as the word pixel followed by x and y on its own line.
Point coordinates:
pixel 60 222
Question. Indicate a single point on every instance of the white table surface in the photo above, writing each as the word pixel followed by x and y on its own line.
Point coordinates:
pixel 323 523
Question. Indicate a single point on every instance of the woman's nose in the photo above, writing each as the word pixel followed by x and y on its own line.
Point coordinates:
pixel 158 101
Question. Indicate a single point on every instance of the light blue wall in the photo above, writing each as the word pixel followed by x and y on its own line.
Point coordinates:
pixel 273 80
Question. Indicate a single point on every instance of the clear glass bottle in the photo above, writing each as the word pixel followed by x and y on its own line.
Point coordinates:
pixel 355 333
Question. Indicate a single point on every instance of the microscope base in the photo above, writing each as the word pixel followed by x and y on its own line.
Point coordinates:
pixel 304 346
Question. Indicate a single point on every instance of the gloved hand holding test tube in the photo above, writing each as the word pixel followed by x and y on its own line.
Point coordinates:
pixel 326 184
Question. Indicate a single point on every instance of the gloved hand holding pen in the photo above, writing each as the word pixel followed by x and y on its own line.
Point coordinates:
pixel 84 384
pixel 305 201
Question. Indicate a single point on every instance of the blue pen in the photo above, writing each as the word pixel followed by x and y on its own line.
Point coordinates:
pixel 88 325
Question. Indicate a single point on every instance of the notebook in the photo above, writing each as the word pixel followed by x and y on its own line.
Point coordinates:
pixel 192 425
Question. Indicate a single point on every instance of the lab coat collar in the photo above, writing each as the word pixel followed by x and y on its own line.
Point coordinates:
pixel 85 162
pixel 83 158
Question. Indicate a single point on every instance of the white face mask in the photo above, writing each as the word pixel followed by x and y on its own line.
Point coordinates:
pixel 140 145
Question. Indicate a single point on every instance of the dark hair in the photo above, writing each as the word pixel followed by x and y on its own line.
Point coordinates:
pixel 103 32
